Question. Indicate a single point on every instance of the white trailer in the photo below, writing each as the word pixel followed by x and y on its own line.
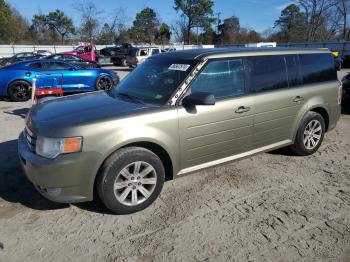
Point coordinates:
pixel 262 44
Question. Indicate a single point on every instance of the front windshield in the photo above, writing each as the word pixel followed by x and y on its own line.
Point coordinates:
pixel 155 80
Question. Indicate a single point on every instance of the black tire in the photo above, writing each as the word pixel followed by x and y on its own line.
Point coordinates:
pixel 123 62
pixel 19 91
pixel 299 146
pixel 111 170
pixel 104 82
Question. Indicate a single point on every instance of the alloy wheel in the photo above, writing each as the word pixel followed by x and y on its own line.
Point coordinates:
pixel 20 91
pixel 105 83
pixel 312 134
pixel 135 183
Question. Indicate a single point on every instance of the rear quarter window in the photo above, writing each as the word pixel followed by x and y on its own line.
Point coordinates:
pixel 317 68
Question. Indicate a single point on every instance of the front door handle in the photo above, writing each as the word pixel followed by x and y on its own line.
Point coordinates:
pixel 298 99
pixel 242 109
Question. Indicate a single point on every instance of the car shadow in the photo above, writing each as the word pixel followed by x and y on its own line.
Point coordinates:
pixel 22 112
pixel 284 151
pixel 95 206
pixel 345 110
pixel 16 188
pixel 4 99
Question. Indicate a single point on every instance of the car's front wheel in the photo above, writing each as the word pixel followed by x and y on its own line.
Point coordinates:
pixel 19 91
pixel 104 83
pixel 130 180
pixel 310 135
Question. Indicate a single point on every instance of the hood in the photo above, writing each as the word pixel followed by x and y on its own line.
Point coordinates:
pixel 83 109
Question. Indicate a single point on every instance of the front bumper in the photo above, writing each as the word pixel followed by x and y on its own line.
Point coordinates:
pixel 66 179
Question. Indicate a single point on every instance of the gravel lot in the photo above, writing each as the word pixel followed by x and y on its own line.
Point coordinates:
pixel 270 207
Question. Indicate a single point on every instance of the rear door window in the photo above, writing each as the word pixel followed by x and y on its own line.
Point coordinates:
pixel 143 52
pixel 58 66
pixel 317 68
pixel 266 73
pixel 35 65
pixel 223 78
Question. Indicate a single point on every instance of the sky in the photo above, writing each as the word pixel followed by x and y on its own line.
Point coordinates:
pixel 254 14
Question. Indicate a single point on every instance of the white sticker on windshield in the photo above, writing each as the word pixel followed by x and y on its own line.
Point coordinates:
pixel 179 67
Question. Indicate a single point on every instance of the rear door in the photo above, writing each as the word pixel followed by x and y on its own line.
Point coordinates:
pixel 87 53
pixel 212 133
pixel 274 83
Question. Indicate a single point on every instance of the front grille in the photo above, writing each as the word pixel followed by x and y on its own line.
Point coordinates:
pixel 31 139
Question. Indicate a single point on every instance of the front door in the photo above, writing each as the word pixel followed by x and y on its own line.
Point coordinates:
pixel 209 134
pixel 74 79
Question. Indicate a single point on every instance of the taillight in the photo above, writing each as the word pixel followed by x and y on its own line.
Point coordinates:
pixel 340 93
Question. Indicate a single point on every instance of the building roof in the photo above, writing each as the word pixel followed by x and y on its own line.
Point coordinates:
pixel 199 54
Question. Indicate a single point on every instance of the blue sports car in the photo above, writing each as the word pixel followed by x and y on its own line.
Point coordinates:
pixel 16 79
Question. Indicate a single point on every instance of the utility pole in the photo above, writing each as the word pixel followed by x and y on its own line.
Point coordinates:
pixel 218 21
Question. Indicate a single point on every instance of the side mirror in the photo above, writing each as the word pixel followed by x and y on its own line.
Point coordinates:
pixel 200 99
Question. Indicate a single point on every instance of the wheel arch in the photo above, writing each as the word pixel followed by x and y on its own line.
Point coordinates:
pixel 12 81
pixel 153 147
pixel 324 113
pixel 98 76
pixel 160 152
pixel 318 108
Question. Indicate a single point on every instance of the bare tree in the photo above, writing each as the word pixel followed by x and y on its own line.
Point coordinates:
pixel 89 27
pixel 110 31
pixel 343 7
pixel 179 30
pixel 315 11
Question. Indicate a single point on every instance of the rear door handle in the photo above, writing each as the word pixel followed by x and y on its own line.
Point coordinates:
pixel 298 99
pixel 242 109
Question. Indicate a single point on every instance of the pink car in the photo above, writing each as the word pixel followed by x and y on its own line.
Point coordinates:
pixel 87 52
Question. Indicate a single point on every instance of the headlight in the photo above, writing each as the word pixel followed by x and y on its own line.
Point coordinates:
pixel 52 147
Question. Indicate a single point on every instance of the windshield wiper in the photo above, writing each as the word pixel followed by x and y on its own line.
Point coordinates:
pixel 131 97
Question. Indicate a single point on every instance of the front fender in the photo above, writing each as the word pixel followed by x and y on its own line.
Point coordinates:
pixel 160 128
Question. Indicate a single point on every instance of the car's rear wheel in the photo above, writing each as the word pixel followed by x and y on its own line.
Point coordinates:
pixel 310 135
pixel 104 83
pixel 130 180
pixel 19 91
pixel 123 62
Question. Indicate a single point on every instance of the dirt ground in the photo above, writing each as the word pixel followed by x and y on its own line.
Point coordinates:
pixel 270 207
